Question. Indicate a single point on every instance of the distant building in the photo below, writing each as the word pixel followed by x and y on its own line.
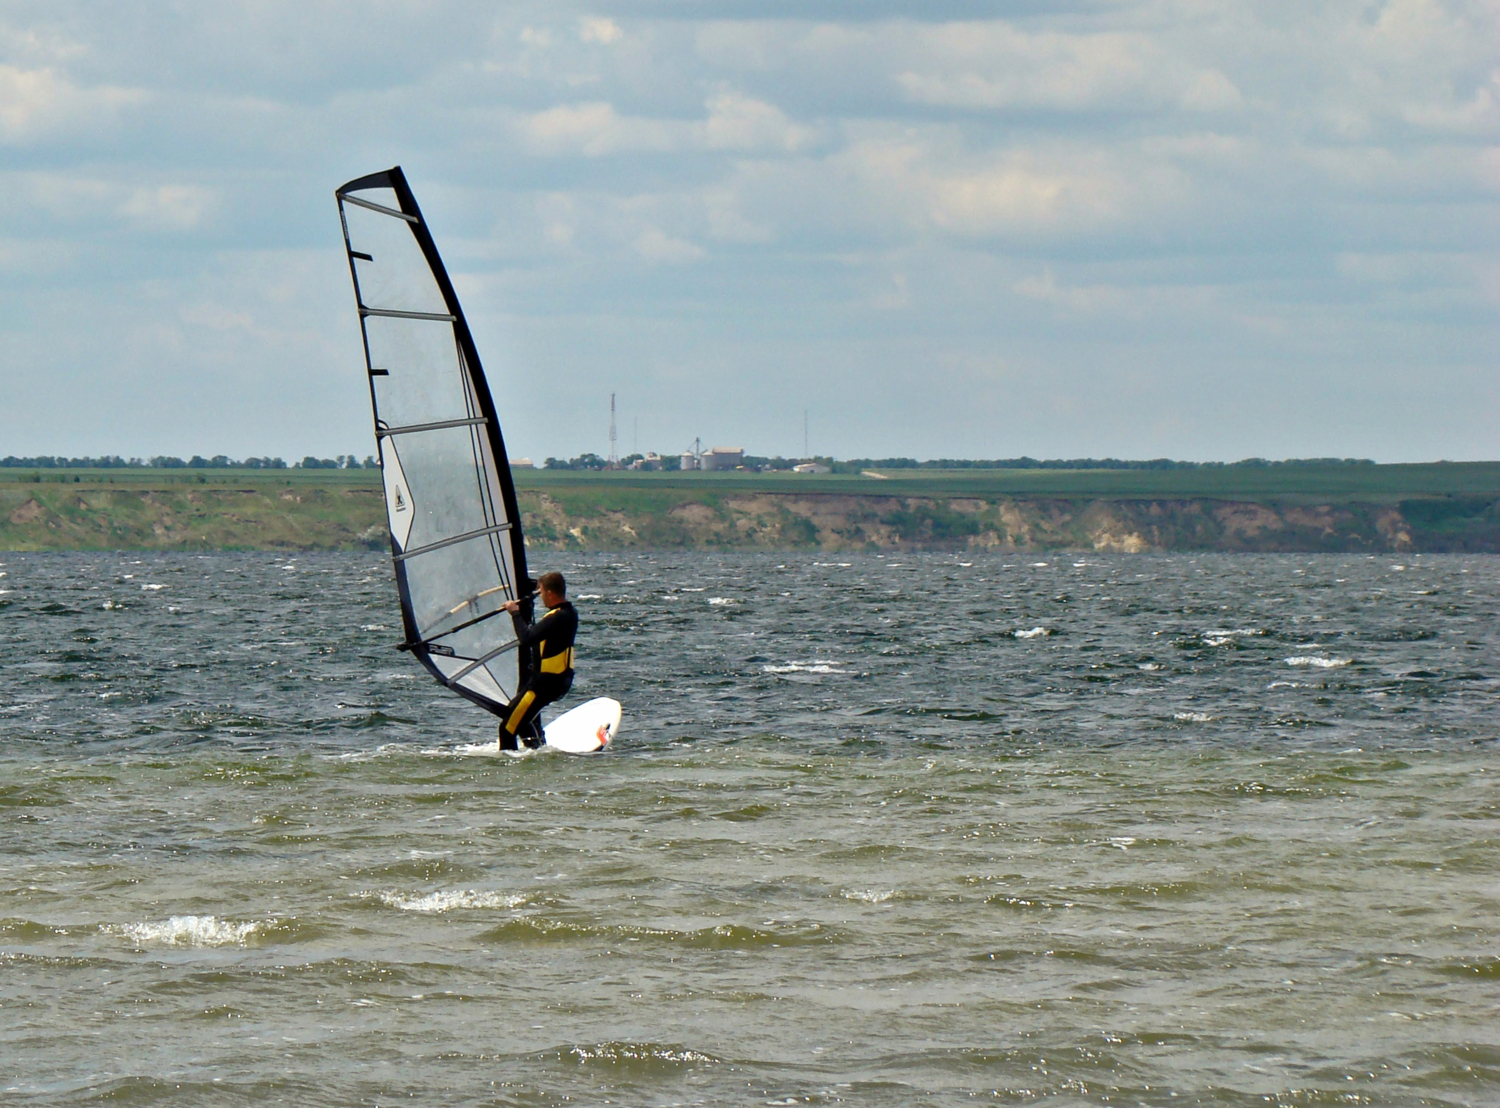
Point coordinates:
pixel 723 457
pixel 811 467
pixel 649 461
pixel 522 463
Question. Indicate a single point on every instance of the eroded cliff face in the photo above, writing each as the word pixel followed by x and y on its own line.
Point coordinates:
pixel 832 522
pixel 53 517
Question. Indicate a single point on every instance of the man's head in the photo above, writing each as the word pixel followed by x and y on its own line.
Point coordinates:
pixel 553 588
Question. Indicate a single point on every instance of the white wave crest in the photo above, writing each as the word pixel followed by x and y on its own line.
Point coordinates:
pixel 722 600
pixel 186 931
pixel 869 896
pixel 1317 662
pixel 447 900
pixel 1224 637
pixel 1034 633
pixel 1192 717
pixel 805 667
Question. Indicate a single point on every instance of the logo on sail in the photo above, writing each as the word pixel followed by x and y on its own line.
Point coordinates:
pixel 398 505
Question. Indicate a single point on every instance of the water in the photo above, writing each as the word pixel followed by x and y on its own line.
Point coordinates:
pixel 880 831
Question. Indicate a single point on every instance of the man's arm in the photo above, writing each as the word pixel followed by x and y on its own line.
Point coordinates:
pixel 529 634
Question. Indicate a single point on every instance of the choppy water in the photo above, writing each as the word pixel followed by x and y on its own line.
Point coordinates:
pixel 880 831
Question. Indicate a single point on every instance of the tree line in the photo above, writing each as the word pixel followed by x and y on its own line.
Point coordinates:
pixel 197 461
pixel 856 465
pixel 595 462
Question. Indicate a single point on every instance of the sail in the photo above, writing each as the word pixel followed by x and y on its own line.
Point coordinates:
pixel 451 504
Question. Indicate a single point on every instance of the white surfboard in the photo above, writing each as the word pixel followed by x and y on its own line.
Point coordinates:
pixel 587 729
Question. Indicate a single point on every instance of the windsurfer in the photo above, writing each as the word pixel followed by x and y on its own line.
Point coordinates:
pixel 549 641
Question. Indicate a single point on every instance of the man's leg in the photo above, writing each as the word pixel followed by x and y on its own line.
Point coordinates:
pixel 522 721
pixel 531 732
pixel 512 724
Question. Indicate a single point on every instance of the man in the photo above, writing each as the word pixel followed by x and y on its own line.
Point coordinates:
pixel 549 643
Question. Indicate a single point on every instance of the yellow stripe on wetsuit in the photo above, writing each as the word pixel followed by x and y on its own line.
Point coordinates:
pixel 513 724
pixel 558 663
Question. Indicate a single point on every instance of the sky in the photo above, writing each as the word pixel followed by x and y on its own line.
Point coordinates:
pixel 1198 229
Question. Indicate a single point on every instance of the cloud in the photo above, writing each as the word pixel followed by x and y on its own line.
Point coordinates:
pixel 1080 299
pixel 1056 191
pixel 594 28
pixel 593 129
pixel 168 207
pixel 739 122
pixel 655 245
pixel 67 201
pixel 35 102
pixel 994 65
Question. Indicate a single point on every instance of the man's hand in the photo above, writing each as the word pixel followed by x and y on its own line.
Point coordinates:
pixel 512 606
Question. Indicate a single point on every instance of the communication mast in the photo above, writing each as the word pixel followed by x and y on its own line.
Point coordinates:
pixel 614 459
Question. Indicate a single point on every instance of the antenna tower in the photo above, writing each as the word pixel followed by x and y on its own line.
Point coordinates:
pixel 614 459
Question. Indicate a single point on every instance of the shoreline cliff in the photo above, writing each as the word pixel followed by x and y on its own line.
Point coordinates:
pixel 58 517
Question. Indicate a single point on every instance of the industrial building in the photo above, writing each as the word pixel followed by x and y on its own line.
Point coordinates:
pixel 718 458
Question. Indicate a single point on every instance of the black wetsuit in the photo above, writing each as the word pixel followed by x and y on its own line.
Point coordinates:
pixel 549 644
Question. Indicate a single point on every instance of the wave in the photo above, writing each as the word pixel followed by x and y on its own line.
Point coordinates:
pixel 725 936
pixel 1318 662
pixel 185 931
pixel 448 900
pixel 644 1055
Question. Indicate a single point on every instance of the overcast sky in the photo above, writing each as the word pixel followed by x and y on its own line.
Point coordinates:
pixel 1204 229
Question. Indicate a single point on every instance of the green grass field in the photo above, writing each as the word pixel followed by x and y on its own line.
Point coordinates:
pixel 1368 483
pixel 1362 483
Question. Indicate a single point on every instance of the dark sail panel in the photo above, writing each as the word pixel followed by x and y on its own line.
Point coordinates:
pixel 455 529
